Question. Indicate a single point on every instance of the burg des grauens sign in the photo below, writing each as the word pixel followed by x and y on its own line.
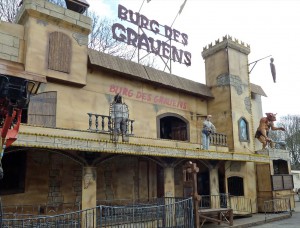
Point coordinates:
pixel 149 44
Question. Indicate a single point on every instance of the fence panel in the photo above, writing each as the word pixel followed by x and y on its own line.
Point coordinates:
pixel 275 206
pixel 164 212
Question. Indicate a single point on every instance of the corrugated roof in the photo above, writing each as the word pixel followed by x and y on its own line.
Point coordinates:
pixel 257 89
pixel 149 74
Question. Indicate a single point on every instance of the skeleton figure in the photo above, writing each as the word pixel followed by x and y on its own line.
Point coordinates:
pixel 119 115
pixel 265 124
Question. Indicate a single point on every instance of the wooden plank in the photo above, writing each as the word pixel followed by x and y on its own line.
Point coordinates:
pixel 42 109
pixel 216 216
pixel 263 177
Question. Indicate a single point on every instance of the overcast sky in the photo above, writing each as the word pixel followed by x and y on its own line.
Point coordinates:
pixel 270 27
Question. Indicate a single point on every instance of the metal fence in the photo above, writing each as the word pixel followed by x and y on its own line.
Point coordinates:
pixel 166 212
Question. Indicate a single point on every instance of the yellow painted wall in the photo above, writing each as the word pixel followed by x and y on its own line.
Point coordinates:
pixel 36 56
pixel 74 103
pixel 11 42
pixel 257 114
pixel 47 175
pixel 246 170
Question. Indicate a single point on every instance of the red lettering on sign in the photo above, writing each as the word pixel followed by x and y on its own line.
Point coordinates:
pixel 147 97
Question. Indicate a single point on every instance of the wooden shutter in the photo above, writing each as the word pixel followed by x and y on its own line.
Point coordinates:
pixel 59 52
pixel 42 109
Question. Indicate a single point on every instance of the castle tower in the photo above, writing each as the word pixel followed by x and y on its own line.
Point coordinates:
pixel 226 67
pixel 53 36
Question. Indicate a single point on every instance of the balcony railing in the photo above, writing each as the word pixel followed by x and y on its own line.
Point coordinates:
pixel 218 139
pixel 104 124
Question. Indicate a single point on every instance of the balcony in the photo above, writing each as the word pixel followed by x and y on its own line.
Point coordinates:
pixel 275 153
pixel 103 124
pixel 98 142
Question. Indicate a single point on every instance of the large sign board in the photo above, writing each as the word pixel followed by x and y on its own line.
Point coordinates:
pixel 142 41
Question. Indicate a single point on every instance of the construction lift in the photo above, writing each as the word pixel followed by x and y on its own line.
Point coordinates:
pixel 14 96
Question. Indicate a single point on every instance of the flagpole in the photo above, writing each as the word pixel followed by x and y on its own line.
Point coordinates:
pixel 179 12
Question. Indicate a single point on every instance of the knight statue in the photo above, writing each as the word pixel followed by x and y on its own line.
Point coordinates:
pixel 262 133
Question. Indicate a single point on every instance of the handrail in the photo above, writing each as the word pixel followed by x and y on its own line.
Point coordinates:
pixel 218 139
pixel 165 212
pixel 104 124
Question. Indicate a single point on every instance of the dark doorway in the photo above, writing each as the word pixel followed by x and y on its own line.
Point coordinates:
pixel 14 166
pixel 203 183
pixel 160 182
pixel 235 186
pixel 174 128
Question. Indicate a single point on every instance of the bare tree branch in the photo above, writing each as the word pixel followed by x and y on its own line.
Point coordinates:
pixel 291 135
pixel 100 39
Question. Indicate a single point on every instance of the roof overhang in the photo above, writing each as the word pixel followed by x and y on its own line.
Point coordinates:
pixel 17 70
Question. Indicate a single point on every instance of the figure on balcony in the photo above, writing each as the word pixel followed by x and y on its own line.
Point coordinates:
pixel 119 114
pixel 262 133
pixel 207 130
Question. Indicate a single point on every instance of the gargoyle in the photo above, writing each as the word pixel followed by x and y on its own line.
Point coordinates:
pixel 265 124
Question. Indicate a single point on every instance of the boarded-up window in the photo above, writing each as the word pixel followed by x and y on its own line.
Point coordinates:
pixel 42 109
pixel 59 52
pixel 282 182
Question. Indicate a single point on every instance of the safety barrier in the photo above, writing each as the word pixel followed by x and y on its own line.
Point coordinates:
pixel 165 212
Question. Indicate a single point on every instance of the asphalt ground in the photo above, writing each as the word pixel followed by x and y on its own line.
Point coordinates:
pixel 265 221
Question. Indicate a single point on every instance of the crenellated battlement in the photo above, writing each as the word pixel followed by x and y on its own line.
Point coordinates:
pixel 226 41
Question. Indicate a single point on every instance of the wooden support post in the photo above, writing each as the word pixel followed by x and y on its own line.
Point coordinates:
pixel 89 200
pixel 190 171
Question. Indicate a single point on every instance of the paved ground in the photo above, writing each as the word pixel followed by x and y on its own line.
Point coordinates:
pixel 259 220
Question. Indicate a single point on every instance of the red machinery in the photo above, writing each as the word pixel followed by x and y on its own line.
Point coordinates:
pixel 14 96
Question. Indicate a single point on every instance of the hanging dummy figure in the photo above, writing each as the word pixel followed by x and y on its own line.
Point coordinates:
pixel 273 70
pixel 119 115
pixel 262 133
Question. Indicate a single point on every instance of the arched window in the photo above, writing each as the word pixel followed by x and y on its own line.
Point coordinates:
pixel 235 186
pixel 172 126
pixel 280 167
pixel 60 47
pixel 243 130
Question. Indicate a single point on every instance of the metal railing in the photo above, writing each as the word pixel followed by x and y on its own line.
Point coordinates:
pixel 218 139
pixel 164 212
pixel 275 206
pixel 104 124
